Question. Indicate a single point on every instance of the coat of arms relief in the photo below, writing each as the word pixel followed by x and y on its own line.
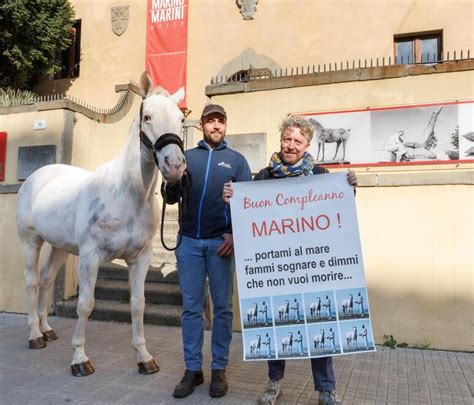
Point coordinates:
pixel 119 19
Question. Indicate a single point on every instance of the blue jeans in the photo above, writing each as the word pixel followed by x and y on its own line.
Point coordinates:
pixel 197 259
pixel 323 373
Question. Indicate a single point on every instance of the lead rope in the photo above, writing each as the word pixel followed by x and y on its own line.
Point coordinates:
pixel 181 204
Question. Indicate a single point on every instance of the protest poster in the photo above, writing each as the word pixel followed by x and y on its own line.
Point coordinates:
pixel 299 266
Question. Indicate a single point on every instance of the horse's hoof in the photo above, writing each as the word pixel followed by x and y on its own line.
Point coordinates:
pixel 148 368
pixel 50 335
pixel 38 343
pixel 82 369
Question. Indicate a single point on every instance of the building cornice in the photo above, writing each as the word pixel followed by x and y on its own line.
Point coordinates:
pixel 297 78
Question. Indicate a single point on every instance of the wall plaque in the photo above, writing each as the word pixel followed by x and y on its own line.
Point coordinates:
pixel 31 158
pixel 253 146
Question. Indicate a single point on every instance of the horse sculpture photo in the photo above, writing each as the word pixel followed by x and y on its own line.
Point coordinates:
pixel 100 216
pixel 329 135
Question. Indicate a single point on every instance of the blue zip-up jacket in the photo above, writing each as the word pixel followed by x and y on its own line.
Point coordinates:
pixel 206 214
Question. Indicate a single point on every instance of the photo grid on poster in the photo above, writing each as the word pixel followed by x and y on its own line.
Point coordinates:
pixel 306 325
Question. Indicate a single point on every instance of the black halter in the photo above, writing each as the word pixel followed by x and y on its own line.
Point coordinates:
pixel 165 139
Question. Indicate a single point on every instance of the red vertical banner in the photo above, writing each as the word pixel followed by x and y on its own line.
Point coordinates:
pixel 166 43
pixel 3 154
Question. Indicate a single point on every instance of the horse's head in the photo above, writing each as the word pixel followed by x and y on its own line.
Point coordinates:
pixel 317 125
pixel 161 126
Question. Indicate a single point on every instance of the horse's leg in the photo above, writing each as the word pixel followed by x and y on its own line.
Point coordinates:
pixel 319 148
pixel 32 249
pixel 338 143
pixel 344 149
pixel 87 269
pixel 137 274
pixel 323 146
pixel 55 261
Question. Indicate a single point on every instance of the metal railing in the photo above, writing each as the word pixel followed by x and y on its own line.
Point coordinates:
pixel 265 73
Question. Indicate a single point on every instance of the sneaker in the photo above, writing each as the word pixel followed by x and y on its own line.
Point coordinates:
pixel 270 393
pixel 218 386
pixel 328 398
pixel 187 384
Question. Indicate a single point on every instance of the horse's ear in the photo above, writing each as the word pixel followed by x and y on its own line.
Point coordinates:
pixel 145 83
pixel 178 96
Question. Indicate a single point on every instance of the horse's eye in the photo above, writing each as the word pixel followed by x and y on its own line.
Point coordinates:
pixel 146 118
pixel 182 121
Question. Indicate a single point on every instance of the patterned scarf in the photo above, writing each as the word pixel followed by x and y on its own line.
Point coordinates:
pixel 279 168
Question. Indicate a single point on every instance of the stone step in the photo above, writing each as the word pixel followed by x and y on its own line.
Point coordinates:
pixel 170 238
pixel 165 273
pixel 155 293
pixel 168 227
pixel 116 311
pixel 171 213
pixel 161 255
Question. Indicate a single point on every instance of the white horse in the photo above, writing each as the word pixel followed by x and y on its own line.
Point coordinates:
pixel 252 314
pixel 319 340
pixel 351 338
pixel 284 311
pixel 315 308
pixel 329 135
pixel 255 346
pixel 348 306
pixel 287 344
pixel 99 216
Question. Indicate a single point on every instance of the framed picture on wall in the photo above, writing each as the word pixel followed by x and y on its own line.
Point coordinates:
pixel 428 133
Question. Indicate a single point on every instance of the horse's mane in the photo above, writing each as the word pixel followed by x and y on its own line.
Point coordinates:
pixel 316 124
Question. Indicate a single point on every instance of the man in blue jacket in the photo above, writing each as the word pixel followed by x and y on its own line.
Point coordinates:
pixel 206 250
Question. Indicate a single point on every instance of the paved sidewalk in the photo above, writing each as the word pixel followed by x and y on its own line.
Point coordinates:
pixel 400 376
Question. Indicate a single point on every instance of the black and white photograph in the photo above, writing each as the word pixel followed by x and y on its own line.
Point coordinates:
pixel 398 135
pixel 415 133
pixel 341 137
pixel 463 138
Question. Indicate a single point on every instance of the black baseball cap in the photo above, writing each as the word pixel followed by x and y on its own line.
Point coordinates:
pixel 213 109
